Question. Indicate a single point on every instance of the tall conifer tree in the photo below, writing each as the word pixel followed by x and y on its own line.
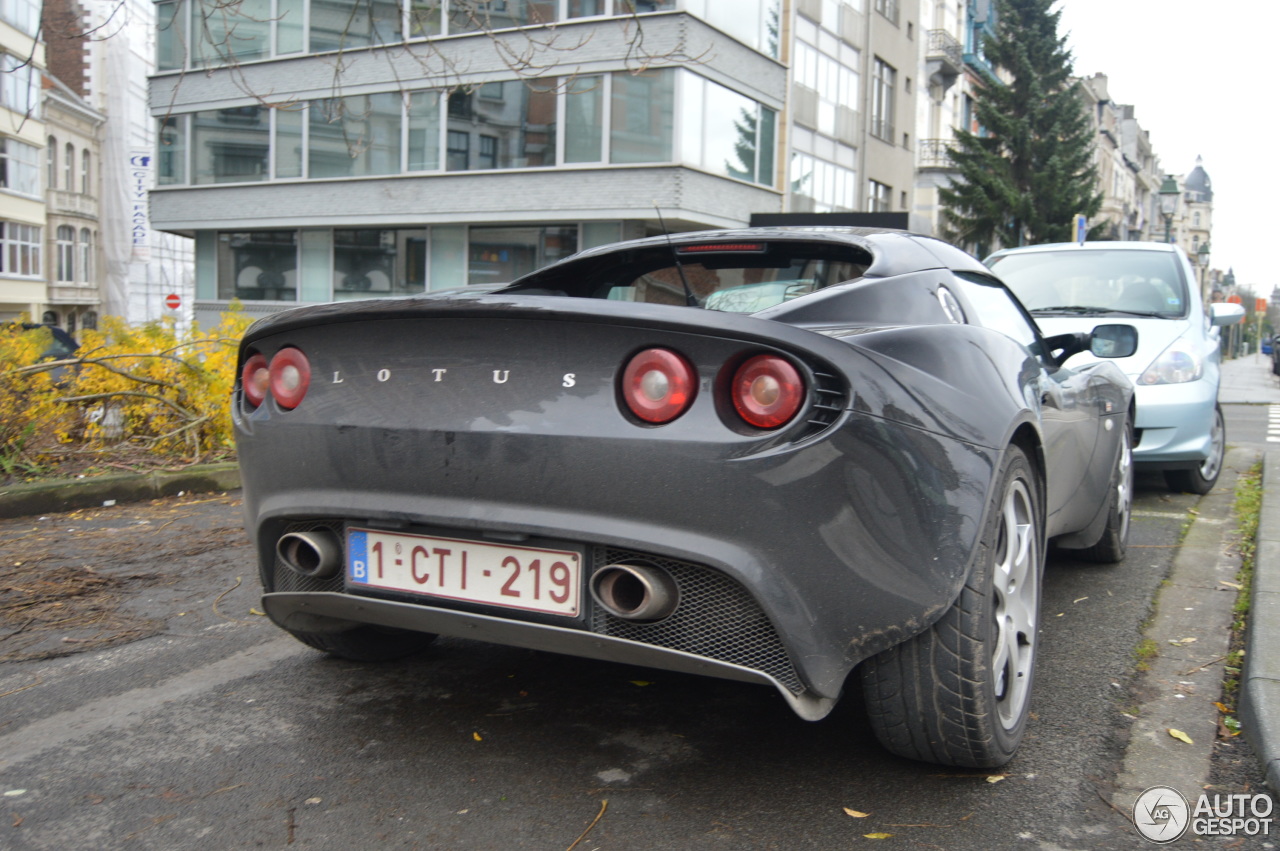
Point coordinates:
pixel 1030 170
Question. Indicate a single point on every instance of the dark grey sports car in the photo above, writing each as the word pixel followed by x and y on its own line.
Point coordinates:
pixel 770 455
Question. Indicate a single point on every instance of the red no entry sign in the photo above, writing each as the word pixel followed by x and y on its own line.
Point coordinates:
pixel 172 301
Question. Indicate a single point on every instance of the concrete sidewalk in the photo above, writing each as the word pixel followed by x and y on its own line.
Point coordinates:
pixel 1249 381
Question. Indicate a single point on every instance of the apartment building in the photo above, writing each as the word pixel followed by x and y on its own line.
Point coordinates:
pixel 73 162
pixel 954 72
pixel 22 142
pixel 328 149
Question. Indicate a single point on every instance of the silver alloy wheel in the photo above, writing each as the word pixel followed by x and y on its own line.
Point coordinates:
pixel 1124 487
pixel 1217 448
pixel 1014 587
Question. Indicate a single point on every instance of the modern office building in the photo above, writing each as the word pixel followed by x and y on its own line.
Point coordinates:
pixel 323 150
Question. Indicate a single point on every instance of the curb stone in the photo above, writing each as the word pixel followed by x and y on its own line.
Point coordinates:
pixel 71 494
pixel 1260 680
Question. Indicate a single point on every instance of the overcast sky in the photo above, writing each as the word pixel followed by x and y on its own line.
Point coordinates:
pixel 1201 77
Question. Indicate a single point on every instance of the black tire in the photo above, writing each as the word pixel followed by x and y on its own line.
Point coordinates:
pixel 367 643
pixel 1111 547
pixel 1201 479
pixel 959 693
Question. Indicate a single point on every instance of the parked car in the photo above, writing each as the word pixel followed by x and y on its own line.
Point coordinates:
pixel 1275 355
pixel 863 468
pixel 1071 286
pixel 59 346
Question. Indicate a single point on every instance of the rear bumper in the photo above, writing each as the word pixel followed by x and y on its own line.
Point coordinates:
pixel 328 612
pixel 820 556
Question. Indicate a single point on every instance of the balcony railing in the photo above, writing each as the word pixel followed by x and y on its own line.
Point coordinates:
pixel 932 153
pixel 944 59
pixel 943 45
pixel 67 203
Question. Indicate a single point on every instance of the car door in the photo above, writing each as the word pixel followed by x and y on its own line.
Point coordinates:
pixel 1067 399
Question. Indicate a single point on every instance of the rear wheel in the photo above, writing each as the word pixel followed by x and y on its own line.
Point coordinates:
pixel 367 643
pixel 959 693
pixel 1202 478
pixel 1111 547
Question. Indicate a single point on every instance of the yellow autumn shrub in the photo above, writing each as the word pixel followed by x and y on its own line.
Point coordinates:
pixel 129 389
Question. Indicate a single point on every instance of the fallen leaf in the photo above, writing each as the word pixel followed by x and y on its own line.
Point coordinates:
pixel 996 778
pixel 311 802
pixel 1180 736
pixel 1079 600
pixel 256 612
pixel 876 835
pixel 476 736
pixel 641 683
pixel 854 813
pixel 1235 585
pixel 1222 707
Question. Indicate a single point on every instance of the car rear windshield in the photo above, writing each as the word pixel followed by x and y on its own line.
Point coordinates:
pixel 1096 281
pixel 738 278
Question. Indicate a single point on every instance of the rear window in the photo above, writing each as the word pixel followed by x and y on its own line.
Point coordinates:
pixel 1137 283
pixel 743 278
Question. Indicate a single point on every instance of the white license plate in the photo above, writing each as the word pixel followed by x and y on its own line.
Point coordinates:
pixel 514 577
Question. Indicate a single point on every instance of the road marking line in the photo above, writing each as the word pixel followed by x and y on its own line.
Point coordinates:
pixel 136 706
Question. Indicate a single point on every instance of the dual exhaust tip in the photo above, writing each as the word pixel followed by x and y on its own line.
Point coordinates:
pixel 315 554
pixel 633 592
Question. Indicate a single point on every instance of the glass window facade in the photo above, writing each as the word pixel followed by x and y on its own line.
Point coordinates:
pixel 341 264
pixel 230 145
pixel 19 167
pixel 23 15
pixel 21 250
pixel 66 251
pixel 506 124
pixel 819 186
pixel 726 133
pixel 19 85
pixel 642 110
pixel 258 265
pixel 354 136
pixel 373 262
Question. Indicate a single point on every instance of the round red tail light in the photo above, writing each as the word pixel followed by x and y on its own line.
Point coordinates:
pixel 255 379
pixel 290 377
pixel 767 391
pixel 658 385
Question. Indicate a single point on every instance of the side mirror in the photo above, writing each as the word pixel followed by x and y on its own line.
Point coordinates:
pixel 1113 341
pixel 1225 313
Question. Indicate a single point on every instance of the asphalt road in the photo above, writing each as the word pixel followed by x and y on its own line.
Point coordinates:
pixel 145 705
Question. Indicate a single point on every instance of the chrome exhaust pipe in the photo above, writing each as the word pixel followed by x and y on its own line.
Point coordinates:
pixel 635 592
pixel 315 555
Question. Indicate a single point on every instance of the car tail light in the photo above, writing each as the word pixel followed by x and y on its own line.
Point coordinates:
pixel 255 378
pixel 290 377
pixel 658 385
pixel 767 391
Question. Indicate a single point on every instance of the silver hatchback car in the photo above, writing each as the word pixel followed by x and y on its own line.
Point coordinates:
pixel 1067 286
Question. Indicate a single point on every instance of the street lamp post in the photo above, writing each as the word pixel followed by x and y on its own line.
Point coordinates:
pixel 1202 257
pixel 1168 204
